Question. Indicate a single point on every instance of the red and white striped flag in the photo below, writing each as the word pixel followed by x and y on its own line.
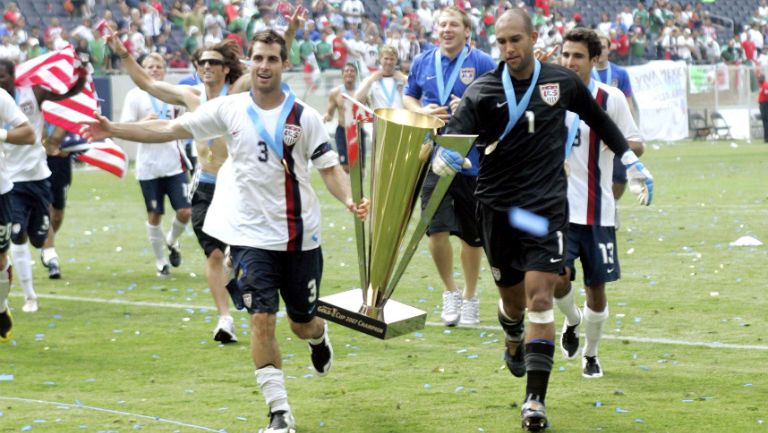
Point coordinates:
pixel 68 113
pixel 54 71
pixel 107 156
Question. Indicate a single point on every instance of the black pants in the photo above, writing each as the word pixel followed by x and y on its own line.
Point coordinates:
pixel 764 117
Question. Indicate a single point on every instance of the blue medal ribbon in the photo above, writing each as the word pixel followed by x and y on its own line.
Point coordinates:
pixel 275 143
pixel 160 110
pixel 444 88
pixel 388 93
pixel 608 75
pixel 574 128
pixel 516 110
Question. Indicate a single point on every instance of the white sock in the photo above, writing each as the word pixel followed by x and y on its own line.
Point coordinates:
pixel 177 228
pixel 567 306
pixel 5 286
pixel 49 254
pixel 593 329
pixel 155 234
pixel 22 261
pixel 272 383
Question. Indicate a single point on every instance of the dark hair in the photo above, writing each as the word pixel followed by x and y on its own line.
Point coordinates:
pixel 586 36
pixel 9 66
pixel 270 37
pixel 230 52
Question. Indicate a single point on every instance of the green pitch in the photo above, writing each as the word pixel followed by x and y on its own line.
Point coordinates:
pixel 115 349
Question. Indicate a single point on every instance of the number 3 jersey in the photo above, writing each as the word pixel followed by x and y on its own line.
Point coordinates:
pixel 590 192
pixel 260 202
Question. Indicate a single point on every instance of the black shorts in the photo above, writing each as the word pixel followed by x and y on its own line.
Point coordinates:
pixel 619 171
pixel 262 274
pixel 456 213
pixel 201 201
pixel 595 247
pixel 511 252
pixel 341 145
pixel 155 190
pixel 5 221
pixel 61 179
pixel 29 211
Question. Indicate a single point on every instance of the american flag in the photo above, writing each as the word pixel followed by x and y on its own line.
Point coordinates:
pixel 55 71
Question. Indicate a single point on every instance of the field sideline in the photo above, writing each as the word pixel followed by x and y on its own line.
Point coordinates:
pixel 115 349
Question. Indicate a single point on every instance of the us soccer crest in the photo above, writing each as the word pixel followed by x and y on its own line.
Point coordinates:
pixel 467 75
pixel 550 93
pixel 291 134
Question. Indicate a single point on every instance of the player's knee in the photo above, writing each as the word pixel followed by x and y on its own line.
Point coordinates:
pixel 18 237
pixel 216 256
pixel 540 301
pixel 303 330
pixel 263 326
pixel 37 242
pixel 184 214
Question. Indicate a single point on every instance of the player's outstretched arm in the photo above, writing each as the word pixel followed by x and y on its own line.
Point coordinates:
pixel 147 131
pixel 173 94
pixel 365 87
pixel 337 182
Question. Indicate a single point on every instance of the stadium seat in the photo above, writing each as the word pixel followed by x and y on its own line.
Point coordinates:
pixel 720 128
pixel 697 124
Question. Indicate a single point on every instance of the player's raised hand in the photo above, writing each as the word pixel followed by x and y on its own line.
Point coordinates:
pixel 297 19
pixel 96 129
pixel 116 45
pixel 544 56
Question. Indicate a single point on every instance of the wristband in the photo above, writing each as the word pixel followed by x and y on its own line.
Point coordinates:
pixel 629 158
pixel 3 134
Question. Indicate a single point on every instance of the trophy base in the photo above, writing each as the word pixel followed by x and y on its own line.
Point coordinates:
pixel 346 308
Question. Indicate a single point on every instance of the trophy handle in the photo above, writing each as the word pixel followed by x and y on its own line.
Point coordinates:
pixel 461 144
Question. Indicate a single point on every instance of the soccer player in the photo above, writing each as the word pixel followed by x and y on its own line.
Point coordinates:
pixel 614 75
pixel 16 130
pixel 161 170
pixel 438 79
pixel 519 111
pixel 60 164
pixel 219 67
pixel 383 88
pixel 265 208
pixel 336 104
pixel 27 168
pixel 591 232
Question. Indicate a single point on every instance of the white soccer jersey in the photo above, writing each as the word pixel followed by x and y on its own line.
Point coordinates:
pixel 384 89
pixel 10 116
pixel 153 160
pixel 590 193
pixel 28 162
pixel 257 202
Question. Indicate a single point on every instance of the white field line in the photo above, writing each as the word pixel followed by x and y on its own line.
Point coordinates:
pixel 110 411
pixel 648 340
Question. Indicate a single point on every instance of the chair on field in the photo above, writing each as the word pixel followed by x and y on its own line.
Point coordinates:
pixel 698 126
pixel 720 128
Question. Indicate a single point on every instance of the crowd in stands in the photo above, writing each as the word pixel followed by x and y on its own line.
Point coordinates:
pixel 340 31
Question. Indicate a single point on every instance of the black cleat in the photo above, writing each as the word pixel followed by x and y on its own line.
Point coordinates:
pixel 164 272
pixel 6 325
pixel 533 415
pixel 591 368
pixel 54 271
pixel 175 255
pixel 280 422
pixel 515 362
pixel 322 354
pixel 569 340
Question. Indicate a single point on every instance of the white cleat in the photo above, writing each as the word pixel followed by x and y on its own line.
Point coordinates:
pixel 470 312
pixel 30 305
pixel 225 330
pixel 451 308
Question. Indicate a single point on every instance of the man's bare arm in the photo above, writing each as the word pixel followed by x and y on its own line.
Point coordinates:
pixel 145 131
pixel 21 134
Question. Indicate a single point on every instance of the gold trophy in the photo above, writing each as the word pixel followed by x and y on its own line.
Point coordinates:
pixel 401 154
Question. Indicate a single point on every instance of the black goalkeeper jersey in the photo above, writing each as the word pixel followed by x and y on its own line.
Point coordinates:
pixel 526 168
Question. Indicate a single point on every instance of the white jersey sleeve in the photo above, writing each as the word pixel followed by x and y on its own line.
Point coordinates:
pixel 10 114
pixel 618 111
pixel 207 121
pixel 318 149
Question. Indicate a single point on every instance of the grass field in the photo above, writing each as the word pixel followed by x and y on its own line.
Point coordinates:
pixel 115 349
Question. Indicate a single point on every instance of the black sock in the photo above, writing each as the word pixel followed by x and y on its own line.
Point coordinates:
pixel 539 357
pixel 513 330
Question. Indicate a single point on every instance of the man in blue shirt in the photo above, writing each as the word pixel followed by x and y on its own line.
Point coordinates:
pixel 437 80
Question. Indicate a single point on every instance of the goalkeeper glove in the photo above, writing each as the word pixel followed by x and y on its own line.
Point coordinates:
pixel 448 162
pixel 640 179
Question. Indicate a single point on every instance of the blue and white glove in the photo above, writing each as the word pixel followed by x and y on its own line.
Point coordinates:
pixel 640 179
pixel 448 162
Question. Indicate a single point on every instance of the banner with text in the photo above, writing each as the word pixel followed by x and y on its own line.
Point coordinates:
pixel 660 90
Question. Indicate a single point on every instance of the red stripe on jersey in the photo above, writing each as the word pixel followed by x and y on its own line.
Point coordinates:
pixel 594 192
pixel 292 191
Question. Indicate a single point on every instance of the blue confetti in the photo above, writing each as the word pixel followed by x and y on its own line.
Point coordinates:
pixel 528 221
pixel 241 418
pixel 6 377
pixel 26 428
pixel 57 316
pixel 620 410
pixel 418 334
pixel 39 421
pixel 645 368
pixel 308 376
pixel 639 421
pixel 459 389
pixel 561 368
pixel 598 404
pixel 427 386
pixel 687 401
pixel 748 385
pixel 322 423
pixel 472 357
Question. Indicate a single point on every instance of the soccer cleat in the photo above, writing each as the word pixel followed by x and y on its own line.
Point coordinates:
pixel 533 415
pixel 225 330
pixel 322 354
pixel 30 305
pixel 175 255
pixel 569 339
pixel 6 324
pixel 591 368
pixel 164 272
pixel 54 271
pixel 451 307
pixel 515 362
pixel 470 312
pixel 281 422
